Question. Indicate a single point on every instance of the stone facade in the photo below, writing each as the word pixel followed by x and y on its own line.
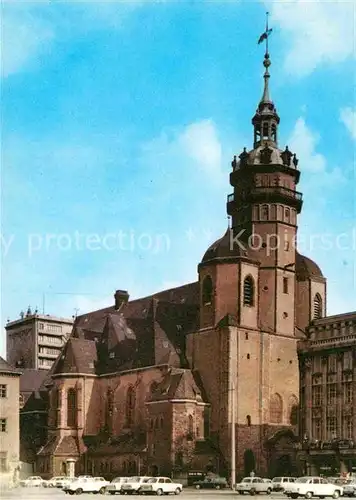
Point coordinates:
pixel 9 423
pixel 328 395
pixel 156 385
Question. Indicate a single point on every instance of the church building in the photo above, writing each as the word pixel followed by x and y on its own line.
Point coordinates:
pixel 164 384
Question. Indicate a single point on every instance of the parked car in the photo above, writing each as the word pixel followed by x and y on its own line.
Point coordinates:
pixel 115 485
pixel 253 485
pixel 133 484
pixel 32 481
pixel 279 483
pixel 160 486
pixel 52 483
pixel 87 485
pixel 309 487
pixel 66 481
pixel 350 488
pixel 212 482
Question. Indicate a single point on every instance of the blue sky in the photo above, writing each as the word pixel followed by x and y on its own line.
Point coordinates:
pixel 123 117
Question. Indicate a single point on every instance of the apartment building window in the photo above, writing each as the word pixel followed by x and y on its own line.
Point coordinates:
pixel 347 360
pixel 331 427
pixel 331 394
pixel 332 363
pixel 317 395
pixel 41 326
pixel 316 428
pixel 348 392
pixel 3 391
pixel 317 364
pixel 3 424
pixel 347 427
pixel 54 328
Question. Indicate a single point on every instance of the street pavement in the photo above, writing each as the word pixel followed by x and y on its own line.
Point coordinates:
pixel 57 494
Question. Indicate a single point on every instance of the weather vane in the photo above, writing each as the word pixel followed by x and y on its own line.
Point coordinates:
pixel 266 34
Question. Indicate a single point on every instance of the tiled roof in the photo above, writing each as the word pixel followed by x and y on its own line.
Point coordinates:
pixel 31 379
pixel 178 384
pixel 78 356
pixel 5 367
pixel 128 338
pixel 68 446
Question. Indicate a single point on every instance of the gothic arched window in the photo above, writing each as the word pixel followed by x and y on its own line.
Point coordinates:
pixel 249 291
pixel 71 408
pixel 190 426
pixel 130 406
pixel 276 409
pixel 55 405
pixel 318 307
pixel 293 410
pixel 207 293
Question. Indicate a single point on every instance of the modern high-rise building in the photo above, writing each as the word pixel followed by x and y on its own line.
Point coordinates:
pixel 35 340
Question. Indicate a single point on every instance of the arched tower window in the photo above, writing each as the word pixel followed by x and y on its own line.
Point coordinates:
pixel 249 291
pixel 293 410
pixel 71 408
pixel 248 420
pixel 318 307
pixel 130 406
pixel 207 292
pixel 265 131
pixel 276 409
pixel 274 132
pixel 257 133
pixel 287 215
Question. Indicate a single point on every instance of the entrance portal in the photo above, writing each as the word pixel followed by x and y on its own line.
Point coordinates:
pixel 249 462
pixel 284 466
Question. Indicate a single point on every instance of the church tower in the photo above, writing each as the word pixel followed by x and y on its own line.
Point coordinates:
pixel 263 209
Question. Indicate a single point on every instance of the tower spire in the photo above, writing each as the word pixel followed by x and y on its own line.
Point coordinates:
pixel 266 119
pixel 266 62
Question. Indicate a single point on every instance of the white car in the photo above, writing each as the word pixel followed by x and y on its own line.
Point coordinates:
pixel 160 486
pixel 115 485
pixel 66 481
pixel 87 485
pixel 280 483
pixel 350 488
pixel 133 484
pixel 32 481
pixel 254 485
pixel 53 482
pixel 309 487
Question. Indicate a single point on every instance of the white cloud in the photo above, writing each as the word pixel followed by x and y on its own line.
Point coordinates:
pixel 317 32
pixel 201 143
pixel 348 117
pixel 29 29
pixel 25 37
pixel 303 141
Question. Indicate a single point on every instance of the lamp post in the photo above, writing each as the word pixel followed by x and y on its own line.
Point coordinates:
pixel 233 436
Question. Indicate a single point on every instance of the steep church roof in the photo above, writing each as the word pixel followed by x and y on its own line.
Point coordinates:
pixel 6 368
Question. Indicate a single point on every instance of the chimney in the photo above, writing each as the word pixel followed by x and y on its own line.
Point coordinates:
pixel 121 297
